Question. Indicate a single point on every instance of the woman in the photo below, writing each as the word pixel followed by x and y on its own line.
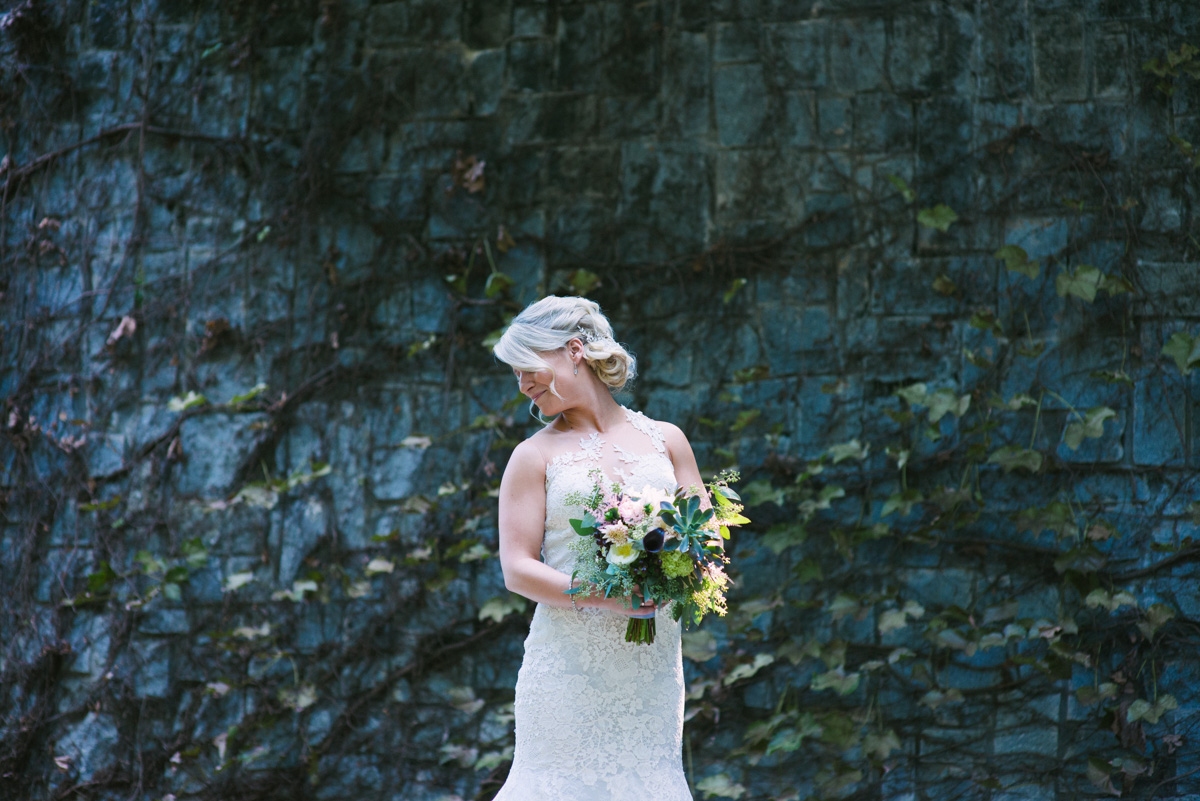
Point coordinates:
pixel 597 719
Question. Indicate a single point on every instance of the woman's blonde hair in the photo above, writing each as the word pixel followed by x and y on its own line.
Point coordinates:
pixel 549 324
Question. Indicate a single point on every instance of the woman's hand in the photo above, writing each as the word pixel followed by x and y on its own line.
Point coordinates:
pixel 620 606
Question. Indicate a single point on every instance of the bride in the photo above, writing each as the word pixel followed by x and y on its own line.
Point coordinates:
pixel 597 719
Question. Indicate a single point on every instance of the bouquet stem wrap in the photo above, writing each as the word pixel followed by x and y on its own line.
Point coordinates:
pixel 640 630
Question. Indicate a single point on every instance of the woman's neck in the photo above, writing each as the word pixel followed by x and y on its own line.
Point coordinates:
pixel 593 417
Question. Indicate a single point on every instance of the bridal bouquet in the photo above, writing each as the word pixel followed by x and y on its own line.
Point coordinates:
pixel 658 546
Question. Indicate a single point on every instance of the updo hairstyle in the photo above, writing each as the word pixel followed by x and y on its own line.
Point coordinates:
pixel 549 324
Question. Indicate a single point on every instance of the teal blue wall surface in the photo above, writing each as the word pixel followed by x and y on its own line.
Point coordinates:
pixel 251 254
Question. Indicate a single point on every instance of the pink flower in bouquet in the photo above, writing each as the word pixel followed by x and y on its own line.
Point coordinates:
pixel 609 497
pixel 632 510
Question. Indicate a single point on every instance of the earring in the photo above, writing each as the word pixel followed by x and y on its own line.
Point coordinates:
pixel 577 369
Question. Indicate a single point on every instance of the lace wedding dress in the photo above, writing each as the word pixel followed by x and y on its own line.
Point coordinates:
pixel 597 718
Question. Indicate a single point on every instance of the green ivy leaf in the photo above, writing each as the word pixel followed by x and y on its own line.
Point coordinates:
pixel 848 450
pixel 902 502
pixel 1004 611
pixel 500 607
pixel 1112 377
pixel 249 394
pixel 178 404
pixel 977 360
pixel 746 670
pixel 892 620
pixel 807 570
pixel 880 746
pixel 1017 402
pixel 1031 349
pixel 781 537
pixel 721 786
pixel 497 283
pixel 492 338
pixel 902 186
pixel 1091 427
pixel 101 506
pixel 762 491
pixel 150 563
pixel 379 565
pixel 1082 283
pixel 1085 559
pixel 1090 695
pixel 940 217
pixel 1056 516
pixel 1098 775
pixel 1142 709
pixel 944 286
pixel 744 419
pixel 944 402
pixel 99 580
pixel 735 286
pixel 985 320
pixel 195 553
pixel 833 782
pixel 949 638
pixel 236 581
pixel 300 697
pixel 913 394
pixel 1184 349
pixel 1110 601
pixel 1012 457
pixel 699 646
pixel 935 698
pixel 900 455
pixel 582 281
pixel 1115 284
pixel 845 604
pixel 1017 260
pixel 756 372
pixel 1155 617
pixel 790 739
pixel 837 680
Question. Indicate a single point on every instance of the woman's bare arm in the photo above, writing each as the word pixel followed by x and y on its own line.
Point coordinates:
pixel 522 527
pixel 687 472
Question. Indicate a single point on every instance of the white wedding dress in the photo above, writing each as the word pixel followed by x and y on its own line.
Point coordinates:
pixel 597 718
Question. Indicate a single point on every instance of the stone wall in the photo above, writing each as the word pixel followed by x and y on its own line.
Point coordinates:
pixel 252 252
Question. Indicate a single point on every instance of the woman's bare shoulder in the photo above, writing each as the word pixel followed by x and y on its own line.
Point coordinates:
pixel 671 432
pixel 527 456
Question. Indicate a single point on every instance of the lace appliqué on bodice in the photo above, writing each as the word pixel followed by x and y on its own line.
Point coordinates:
pixel 597 718
pixel 571 473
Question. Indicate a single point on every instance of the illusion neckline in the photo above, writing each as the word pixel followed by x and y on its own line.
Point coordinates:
pixel 590 445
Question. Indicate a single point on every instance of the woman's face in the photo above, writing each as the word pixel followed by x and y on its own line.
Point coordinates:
pixel 535 384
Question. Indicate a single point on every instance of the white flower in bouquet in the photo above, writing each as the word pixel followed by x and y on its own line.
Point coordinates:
pixel 656 498
pixel 623 554
pixel 616 533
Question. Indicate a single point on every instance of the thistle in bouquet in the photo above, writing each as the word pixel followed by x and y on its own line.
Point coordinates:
pixel 658 546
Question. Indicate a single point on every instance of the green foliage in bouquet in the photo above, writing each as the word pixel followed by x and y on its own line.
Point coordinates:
pixel 653 546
